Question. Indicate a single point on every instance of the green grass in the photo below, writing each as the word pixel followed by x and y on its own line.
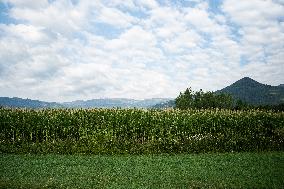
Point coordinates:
pixel 228 170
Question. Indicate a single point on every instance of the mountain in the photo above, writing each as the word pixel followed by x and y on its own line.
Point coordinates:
pixel 26 103
pixel 94 103
pixel 163 105
pixel 255 93
pixel 245 89
pixel 115 102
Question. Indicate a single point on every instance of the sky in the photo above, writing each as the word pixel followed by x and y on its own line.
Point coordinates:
pixel 65 50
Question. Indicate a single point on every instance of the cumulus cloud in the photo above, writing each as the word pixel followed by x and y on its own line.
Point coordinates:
pixel 30 4
pixel 115 17
pixel 259 24
pixel 66 50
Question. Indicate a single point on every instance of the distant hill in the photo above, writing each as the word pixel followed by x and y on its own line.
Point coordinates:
pixel 115 102
pixel 26 103
pixel 94 103
pixel 163 105
pixel 245 89
pixel 255 93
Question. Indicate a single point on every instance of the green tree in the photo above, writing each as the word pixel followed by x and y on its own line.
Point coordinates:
pixel 241 105
pixel 185 100
pixel 200 99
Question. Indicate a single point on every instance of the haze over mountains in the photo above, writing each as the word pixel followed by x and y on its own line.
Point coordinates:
pixel 245 89
pixel 115 102
pixel 16 102
pixel 94 103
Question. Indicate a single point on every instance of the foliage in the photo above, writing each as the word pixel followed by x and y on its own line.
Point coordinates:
pixel 137 131
pixel 255 93
pixel 190 99
pixel 241 105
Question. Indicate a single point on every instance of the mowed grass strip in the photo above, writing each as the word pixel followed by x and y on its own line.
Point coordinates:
pixel 227 170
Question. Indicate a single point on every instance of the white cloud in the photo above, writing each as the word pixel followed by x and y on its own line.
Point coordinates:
pixel 261 35
pixel 59 17
pixel 151 4
pixel 30 4
pixel 182 42
pixel 115 17
pixel 53 51
pixel 28 33
pixel 129 4
pixel 261 13
pixel 135 37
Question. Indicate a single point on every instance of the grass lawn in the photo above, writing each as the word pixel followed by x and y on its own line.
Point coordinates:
pixel 228 170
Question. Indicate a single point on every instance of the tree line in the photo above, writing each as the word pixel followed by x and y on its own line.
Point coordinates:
pixel 190 99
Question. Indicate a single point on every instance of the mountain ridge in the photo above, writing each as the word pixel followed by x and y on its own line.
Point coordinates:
pixel 245 89
pixel 92 103
pixel 248 90
pixel 254 92
pixel 26 103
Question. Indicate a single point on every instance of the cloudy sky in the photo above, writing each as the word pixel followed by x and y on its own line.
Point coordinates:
pixel 63 50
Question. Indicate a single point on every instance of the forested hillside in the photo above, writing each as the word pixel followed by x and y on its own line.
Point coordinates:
pixel 255 93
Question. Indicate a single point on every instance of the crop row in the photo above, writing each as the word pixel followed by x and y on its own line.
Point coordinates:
pixel 138 131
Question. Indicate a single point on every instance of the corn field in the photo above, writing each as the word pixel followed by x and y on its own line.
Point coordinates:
pixel 139 131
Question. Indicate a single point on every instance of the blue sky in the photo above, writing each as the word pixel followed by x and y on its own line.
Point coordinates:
pixel 64 50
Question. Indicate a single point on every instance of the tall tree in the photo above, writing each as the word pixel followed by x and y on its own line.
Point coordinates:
pixel 200 99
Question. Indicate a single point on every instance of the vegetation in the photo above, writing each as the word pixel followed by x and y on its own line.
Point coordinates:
pixel 245 93
pixel 229 170
pixel 240 105
pixel 208 100
pixel 200 99
pixel 254 93
pixel 201 122
pixel 136 131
